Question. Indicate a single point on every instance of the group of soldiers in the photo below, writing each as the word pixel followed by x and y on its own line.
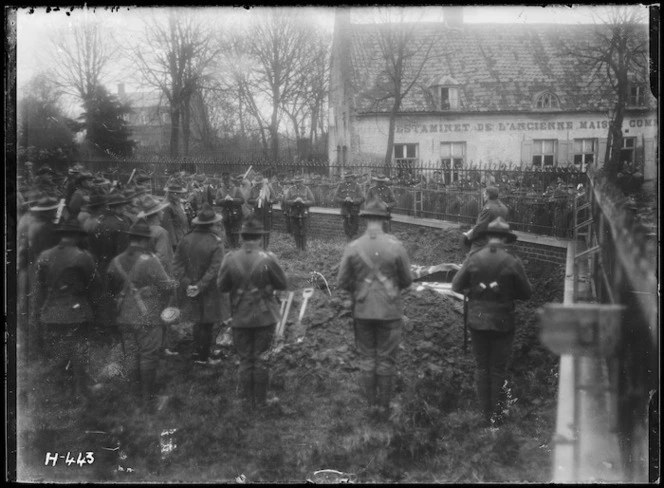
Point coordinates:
pixel 111 262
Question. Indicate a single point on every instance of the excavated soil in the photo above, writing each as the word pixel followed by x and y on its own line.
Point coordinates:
pixel 316 419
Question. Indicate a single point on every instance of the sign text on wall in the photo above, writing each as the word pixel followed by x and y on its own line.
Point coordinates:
pixel 514 126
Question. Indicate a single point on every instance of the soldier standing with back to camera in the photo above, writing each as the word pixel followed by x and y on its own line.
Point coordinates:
pixel 229 197
pixel 196 266
pixel 68 306
pixel 492 278
pixel 299 198
pixel 251 275
pixel 350 196
pixel 375 269
pixel 385 194
pixel 174 219
pixel 140 288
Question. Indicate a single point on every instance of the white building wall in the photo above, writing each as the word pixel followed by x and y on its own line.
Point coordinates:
pixel 495 138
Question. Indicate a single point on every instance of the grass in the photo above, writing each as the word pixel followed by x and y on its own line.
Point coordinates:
pixel 319 420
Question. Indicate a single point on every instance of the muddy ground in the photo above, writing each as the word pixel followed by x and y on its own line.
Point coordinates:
pixel 316 419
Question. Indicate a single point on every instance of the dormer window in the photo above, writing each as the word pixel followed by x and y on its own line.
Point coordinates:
pixel 637 96
pixel 449 98
pixel 547 101
pixel 445 91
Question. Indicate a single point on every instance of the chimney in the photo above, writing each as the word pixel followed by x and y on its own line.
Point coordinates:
pixel 453 16
pixel 121 89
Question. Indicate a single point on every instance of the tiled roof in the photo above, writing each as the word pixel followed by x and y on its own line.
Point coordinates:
pixel 499 67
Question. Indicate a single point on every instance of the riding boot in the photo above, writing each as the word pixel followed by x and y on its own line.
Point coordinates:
pixel 384 383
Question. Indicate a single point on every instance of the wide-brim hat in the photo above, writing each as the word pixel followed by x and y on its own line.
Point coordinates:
pixel 139 229
pixel 84 176
pixel 76 169
pixel 497 228
pixel 252 226
pixel 375 209
pixel 44 170
pixel 239 177
pixel 100 181
pixel 200 178
pixel 71 226
pixel 299 178
pixel 206 216
pixel 150 206
pixel 175 188
pixel 44 204
pixel 380 178
pixel 349 174
pixel 117 199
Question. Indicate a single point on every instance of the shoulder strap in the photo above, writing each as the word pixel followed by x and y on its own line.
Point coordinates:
pixel 375 271
pixel 129 285
pixel 246 279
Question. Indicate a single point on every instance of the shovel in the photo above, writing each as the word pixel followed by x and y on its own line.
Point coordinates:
pixel 279 333
pixel 306 294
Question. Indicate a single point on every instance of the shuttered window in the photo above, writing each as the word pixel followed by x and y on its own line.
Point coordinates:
pixel 585 151
pixel 452 156
pixel 405 158
pixel 544 152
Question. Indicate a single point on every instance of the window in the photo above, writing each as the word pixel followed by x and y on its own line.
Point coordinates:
pixel 584 152
pixel 547 101
pixel 449 98
pixel 452 156
pixel 637 96
pixel 544 152
pixel 628 152
pixel 405 157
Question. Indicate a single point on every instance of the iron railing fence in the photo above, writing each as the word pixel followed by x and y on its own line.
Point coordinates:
pixel 540 200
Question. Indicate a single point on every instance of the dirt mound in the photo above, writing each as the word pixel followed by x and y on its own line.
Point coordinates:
pixel 317 418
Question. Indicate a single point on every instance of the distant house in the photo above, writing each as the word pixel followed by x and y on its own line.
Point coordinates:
pixel 492 92
pixel 149 120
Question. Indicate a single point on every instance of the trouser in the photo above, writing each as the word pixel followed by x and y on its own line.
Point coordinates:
pixel 142 345
pixel 253 345
pixel 492 352
pixel 378 341
pixel 232 225
pixel 300 226
pixel 289 227
pixel 202 340
pixel 351 225
pixel 67 353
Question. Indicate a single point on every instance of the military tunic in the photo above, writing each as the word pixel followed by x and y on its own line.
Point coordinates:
pixel 263 208
pixel 174 220
pixel 492 209
pixel 350 211
pixel 231 211
pixel 299 212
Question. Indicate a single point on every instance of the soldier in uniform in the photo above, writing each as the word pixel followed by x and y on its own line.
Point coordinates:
pixel 35 235
pixel 251 275
pixel 196 266
pixel 492 278
pixel 350 196
pixel 385 194
pixel 493 208
pixel 91 213
pixel 230 199
pixel 261 198
pixel 140 288
pixel 44 182
pixel 81 194
pixel 201 193
pixel 299 198
pixel 67 305
pixel 285 207
pixel 174 219
pixel 160 243
pixel 375 269
pixel 109 238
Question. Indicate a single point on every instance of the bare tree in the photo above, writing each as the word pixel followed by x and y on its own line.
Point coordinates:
pixel 84 54
pixel 615 55
pixel 403 54
pixel 278 43
pixel 176 55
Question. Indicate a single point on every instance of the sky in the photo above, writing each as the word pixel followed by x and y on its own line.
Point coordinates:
pixel 35 30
